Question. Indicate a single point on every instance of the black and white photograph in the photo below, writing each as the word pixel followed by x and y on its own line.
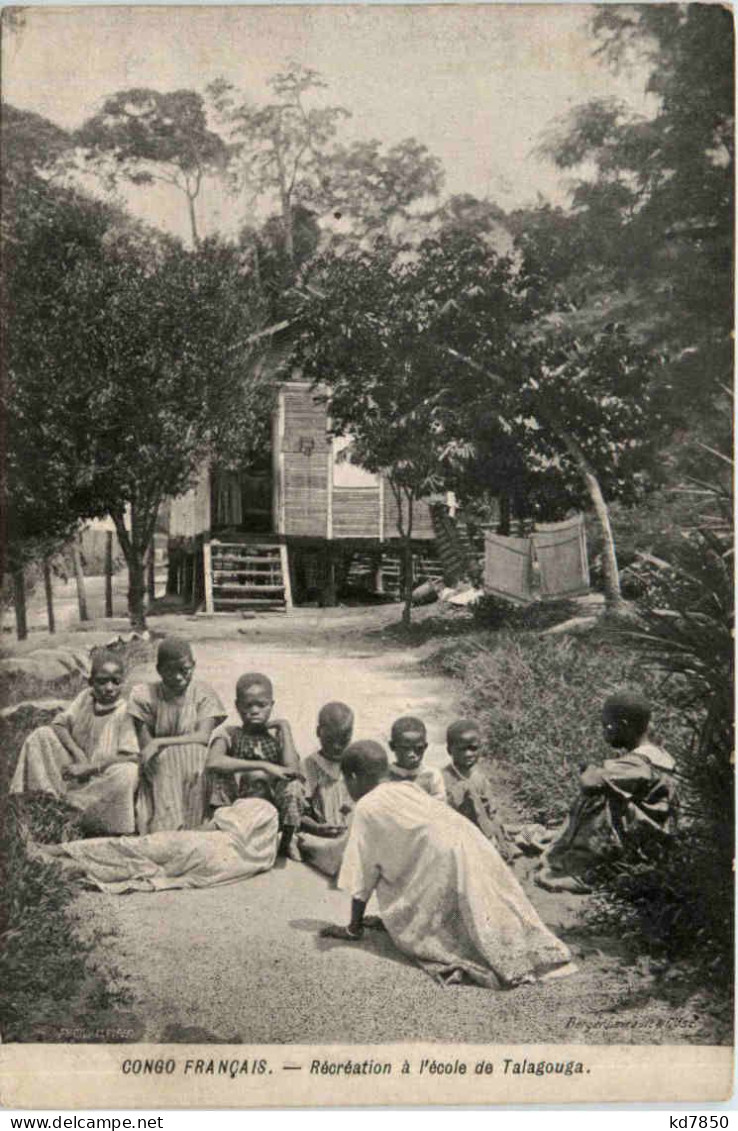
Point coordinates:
pixel 366 662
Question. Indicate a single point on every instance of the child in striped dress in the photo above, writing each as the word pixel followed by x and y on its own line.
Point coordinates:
pixel 89 755
pixel 174 717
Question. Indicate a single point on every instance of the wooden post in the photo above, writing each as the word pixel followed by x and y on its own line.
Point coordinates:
pixel 80 580
pixel 19 601
pixel 108 573
pixel 329 590
pixel 189 578
pixel 207 566
pixel 378 574
pixel 286 579
pixel 151 572
pixel 49 596
pixel 172 571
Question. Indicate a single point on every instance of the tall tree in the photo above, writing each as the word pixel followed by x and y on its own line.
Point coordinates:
pixel 40 500
pixel 145 135
pixel 652 205
pixel 361 334
pixel 289 158
pixel 126 362
pixel 279 147
pixel 444 329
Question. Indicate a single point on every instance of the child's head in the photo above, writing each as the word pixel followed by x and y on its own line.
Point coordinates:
pixel 363 766
pixel 408 742
pixel 106 677
pixel 254 700
pixel 625 719
pixel 464 744
pixel 175 664
pixel 256 783
pixel 335 728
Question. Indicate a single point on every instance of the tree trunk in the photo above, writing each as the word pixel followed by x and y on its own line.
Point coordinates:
pixel 407 573
pixel 611 573
pixel 504 524
pixel 79 578
pixel 134 551
pixel 137 592
pixel 151 574
pixel 407 581
pixel 109 573
pixel 193 220
pixel 19 601
pixel 289 228
pixel 49 597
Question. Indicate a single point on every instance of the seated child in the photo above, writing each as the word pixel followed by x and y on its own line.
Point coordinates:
pixel 408 742
pixel 328 802
pixel 258 744
pixel 467 789
pixel 89 754
pixel 627 801
pixel 174 717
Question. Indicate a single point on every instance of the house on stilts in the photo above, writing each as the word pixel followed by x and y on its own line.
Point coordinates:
pixel 302 525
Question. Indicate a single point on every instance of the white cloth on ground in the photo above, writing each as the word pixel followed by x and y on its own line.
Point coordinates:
pixel 240 841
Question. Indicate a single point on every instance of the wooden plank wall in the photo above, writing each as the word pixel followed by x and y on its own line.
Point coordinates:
pixel 355 512
pixel 306 449
pixel 190 513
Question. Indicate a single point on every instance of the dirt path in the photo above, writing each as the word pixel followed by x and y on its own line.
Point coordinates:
pixel 243 963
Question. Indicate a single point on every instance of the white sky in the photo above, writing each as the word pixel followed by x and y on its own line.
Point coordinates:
pixel 476 83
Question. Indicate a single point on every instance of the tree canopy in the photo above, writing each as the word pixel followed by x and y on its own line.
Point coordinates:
pixel 648 238
pixel 145 135
pixel 126 365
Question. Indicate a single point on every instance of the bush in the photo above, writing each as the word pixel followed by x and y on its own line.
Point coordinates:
pixel 47 974
pixel 538 699
pixel 495 612
pixel 685 637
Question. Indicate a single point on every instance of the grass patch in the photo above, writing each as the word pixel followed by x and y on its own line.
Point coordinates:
pixel 53 982
pixel 538 700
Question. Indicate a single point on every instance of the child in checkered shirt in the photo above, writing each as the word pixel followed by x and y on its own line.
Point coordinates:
pixel 260 743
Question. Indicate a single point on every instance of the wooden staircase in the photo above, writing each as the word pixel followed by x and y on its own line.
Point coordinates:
pixel 246 576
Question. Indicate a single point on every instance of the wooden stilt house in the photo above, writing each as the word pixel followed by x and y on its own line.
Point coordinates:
pixel 298 527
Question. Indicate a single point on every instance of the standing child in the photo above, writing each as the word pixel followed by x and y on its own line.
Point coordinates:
pixel 174 717
pixel 630 800
pixel 467 788
pixel 409 742
pixel 258 744
pixel 89 754
pixel 328 802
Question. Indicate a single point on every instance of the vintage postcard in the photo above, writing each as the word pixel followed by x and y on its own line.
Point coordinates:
pixel 366 657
